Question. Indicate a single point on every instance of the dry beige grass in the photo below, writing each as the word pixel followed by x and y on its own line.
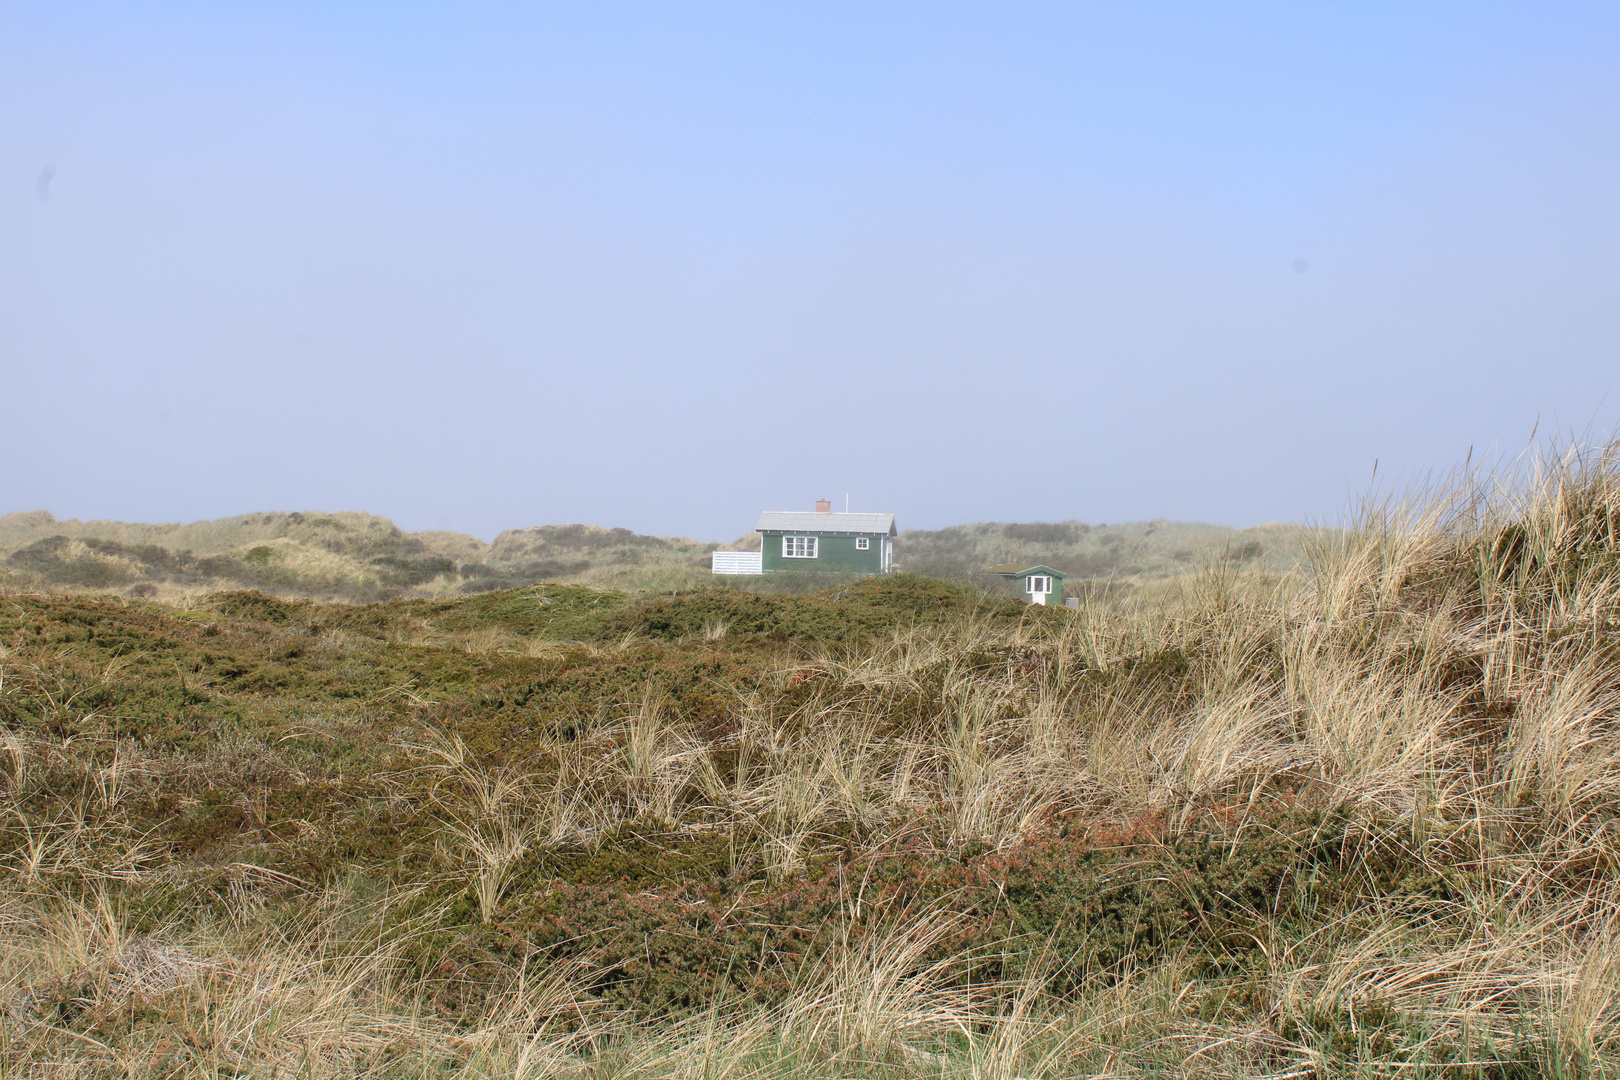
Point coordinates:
pixel 1445 677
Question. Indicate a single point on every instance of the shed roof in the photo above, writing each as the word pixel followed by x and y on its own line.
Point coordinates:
pixel 1013 569
pixel 810 521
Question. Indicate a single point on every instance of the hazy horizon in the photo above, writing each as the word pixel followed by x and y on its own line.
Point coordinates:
pixel 663 268
pixel 490 538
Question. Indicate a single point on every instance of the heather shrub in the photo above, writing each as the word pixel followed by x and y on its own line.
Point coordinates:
pixel 1355 820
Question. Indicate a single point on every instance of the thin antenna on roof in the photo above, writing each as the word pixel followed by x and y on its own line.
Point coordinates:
pixel 846 502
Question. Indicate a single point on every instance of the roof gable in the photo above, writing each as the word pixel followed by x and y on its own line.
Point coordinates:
pixel 1018 570
pixel 807 521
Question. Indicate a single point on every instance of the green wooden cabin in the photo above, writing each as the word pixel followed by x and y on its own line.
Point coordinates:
pixel 823 542
pixel 1041 584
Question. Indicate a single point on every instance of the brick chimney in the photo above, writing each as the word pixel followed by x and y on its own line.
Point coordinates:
pixel 823 506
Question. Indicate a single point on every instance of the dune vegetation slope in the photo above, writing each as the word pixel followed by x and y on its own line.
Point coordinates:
pixel 350 557
pixel 1354 820
pixel 1099 559
pixel 361 558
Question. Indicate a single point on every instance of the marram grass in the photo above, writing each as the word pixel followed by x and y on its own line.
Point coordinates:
pixel 1358 820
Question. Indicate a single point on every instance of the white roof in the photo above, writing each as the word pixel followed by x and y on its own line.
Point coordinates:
pixel 809 521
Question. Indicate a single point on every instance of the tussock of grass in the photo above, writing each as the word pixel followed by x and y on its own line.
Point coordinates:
pixel 1357 820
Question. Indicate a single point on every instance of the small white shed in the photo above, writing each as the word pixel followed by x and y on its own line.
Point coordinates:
pixel 737 562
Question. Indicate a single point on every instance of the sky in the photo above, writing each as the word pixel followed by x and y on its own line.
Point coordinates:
pixel 662 266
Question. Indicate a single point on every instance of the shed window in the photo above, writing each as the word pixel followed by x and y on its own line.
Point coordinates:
pixel 1039 584
pixel 799 547
pixel 862 543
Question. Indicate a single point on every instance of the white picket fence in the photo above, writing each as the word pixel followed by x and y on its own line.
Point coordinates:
pixel 738 562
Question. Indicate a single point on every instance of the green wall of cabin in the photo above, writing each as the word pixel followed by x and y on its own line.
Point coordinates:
pixel 835 554
pixel 1053 599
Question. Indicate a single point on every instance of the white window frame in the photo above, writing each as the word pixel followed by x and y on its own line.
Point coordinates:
pixel 799 547
pixel 863 543
pixel 1042 580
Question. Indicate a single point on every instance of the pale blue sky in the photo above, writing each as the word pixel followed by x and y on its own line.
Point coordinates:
pixel 477 266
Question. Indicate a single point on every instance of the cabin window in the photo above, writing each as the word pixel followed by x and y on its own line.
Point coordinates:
pixel 799 547
pixel 1039 584
pixel 862 543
